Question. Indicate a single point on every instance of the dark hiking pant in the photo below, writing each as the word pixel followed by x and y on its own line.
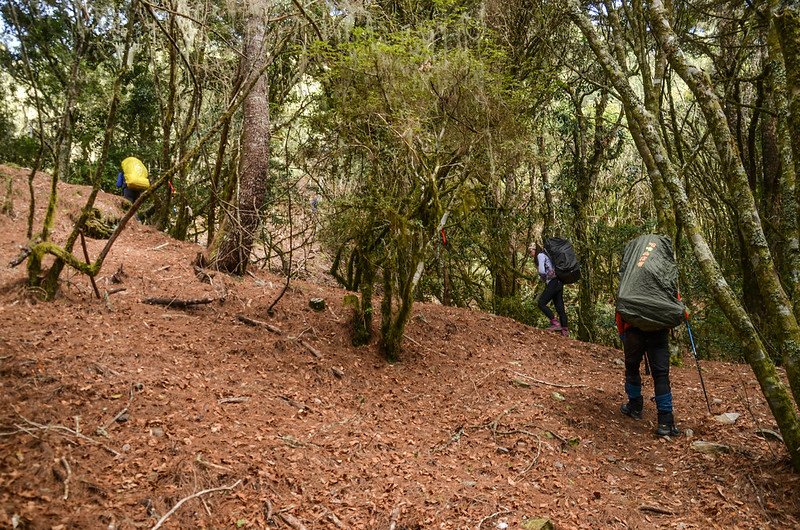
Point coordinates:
pixel 554 291
pixel 655 344
pixel 130 194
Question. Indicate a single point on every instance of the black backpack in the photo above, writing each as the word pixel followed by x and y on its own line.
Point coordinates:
pixel 563 258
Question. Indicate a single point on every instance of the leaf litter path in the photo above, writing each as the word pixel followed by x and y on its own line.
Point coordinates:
pixel 119 414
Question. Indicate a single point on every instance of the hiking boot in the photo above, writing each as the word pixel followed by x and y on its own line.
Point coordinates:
pixel 666 425
pixel 666 429
pixel 564 332
pixel 555 325
pixel 633 408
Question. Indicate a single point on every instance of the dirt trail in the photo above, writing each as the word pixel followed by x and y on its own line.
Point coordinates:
pixel 115 411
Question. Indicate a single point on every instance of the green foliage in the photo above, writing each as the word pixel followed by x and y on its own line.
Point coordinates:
pixel 416 120
pixel 713 334
pixel 520 307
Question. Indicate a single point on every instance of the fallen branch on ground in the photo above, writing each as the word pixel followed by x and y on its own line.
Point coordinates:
pixel 66 479
pixel 655 509
pixel 292 521
pixel 256 323
pixel 557 385
pixel 332 517
pixel 190 497
pixel 395 516
pixel 61 430
pixel 310 348
pixel 237 399
pixel 176 302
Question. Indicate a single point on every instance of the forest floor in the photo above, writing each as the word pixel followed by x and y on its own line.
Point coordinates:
pixel 118 414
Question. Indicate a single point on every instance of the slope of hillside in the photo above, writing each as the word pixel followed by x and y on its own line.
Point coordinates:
pixel 119 414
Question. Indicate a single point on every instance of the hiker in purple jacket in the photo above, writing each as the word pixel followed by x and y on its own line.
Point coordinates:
pixel 553 291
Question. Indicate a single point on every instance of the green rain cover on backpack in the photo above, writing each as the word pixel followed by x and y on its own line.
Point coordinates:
pixel 648 284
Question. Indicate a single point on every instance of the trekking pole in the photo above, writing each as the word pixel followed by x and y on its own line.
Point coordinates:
pixel 699 371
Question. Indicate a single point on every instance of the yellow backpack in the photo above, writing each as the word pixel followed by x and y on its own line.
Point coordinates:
pixel 135 174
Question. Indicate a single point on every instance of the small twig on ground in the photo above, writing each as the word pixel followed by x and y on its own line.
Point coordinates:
pixel 493 424
pixel 491 516
pixel 458 432
pixel 311 329
pixel 159 247
pixel 310 348
pixel 175 302
pixel 103 431
pixel 253 322
pixel 292 521
pixel 164 268
pixel 758 495
pixel 202 461
pixel 405 336
pixel 395 516
pixel 655 509
pixel 332 518
pixel 66 479
pixel 115 290
pixel 296 404
pixel 267 510
pixel 557 385
pixel 559 437
pixel 533 462
pixel 61 429
pixel 235 399
pixel 332 313
pixel 190 497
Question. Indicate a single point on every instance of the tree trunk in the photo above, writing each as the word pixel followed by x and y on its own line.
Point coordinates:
pixel 215 189
pixel 163 199
pixel 549 210
pixel 230 251
pixel 787 24
pixel 784 40
pixel 790 193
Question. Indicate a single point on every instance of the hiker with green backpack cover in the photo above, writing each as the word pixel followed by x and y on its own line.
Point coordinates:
pixel 648 306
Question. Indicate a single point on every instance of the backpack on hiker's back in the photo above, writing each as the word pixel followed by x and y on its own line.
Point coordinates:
pixel 135 174
pixel 648 284
pixel 563 258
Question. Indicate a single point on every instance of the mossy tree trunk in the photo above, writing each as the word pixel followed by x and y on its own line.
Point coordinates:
pixel 787 23
pixel 784 42
pixel 398 300
pixel 163 199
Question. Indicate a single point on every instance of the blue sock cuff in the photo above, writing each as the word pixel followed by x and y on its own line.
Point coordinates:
pixel 664 402
pixel 633 391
